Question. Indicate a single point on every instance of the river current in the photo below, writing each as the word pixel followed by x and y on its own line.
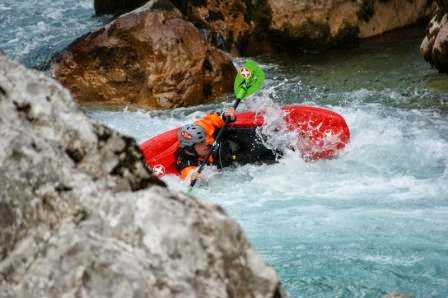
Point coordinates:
pixel 370 222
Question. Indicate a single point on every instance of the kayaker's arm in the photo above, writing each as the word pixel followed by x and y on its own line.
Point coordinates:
pixel 213 122
pixel 187 171
pixel 187 160
pixel 248 80
pixel 229 114
pixel 186 163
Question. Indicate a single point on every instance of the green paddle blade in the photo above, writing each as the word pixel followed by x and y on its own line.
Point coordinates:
pixel 249 79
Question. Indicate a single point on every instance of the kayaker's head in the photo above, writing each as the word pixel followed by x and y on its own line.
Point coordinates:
pixel 192 135
pixel 202 149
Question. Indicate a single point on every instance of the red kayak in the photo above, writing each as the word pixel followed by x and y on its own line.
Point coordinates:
pixel 320 134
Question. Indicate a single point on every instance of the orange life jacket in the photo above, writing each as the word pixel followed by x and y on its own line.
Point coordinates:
pixel 211 123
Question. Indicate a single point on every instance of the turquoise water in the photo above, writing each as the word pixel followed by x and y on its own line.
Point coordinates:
pixel 372 221
pixel 33 31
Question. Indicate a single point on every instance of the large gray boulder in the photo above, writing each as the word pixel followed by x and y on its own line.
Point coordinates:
pixel 81 215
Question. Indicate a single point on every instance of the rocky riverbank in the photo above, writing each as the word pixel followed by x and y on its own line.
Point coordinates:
pixel 168 54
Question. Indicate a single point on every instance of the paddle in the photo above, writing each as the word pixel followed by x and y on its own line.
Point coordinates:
pixel 247 81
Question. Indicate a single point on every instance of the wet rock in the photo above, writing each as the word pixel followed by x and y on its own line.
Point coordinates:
pixel 229 25
pixel 315 24
pixel 150 57
pixel 81 216
pixel 253 27
pixel 434 47
pixel 116 6
pixel 243 27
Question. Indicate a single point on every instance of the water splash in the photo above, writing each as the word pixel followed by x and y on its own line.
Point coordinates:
pixel 372 221
pixel 369 222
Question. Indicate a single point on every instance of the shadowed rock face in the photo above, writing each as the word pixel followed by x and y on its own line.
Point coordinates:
pixel 250 27
pixel 434 47
pixel 116 6
pixel 227 25
pixel 316 23
pixel 224 22
pixel 243 27
pixel 158 57
pixel 149 57
pixel 81 216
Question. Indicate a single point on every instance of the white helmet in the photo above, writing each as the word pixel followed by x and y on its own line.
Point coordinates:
pixel 190 134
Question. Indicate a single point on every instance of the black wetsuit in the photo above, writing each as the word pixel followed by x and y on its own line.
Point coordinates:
pixel 186 157
pixel 243 146
pixel 237 146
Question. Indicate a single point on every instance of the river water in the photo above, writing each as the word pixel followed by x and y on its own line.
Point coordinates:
pixel 372 221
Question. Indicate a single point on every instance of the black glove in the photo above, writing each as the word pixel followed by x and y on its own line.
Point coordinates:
pixel 227 118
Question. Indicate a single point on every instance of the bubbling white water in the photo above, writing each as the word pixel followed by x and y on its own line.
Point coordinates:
pixel 33 31
pixel 373 220
pixel 402 153
pixel 348 218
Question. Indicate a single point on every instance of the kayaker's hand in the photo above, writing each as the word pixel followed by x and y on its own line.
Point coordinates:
pixel 229 114
pixel 195 176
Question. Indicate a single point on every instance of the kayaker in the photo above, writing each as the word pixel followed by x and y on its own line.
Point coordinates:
pixel 195 142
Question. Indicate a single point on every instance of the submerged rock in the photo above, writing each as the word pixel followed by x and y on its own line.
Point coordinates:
pixel 434 47
pixel 396 295
pixel 81 215
pixel 150 57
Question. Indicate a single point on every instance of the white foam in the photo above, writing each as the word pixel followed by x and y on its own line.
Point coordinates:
pixel 394 155
pixel 31 30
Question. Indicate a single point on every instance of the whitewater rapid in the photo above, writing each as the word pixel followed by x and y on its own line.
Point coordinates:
pixel 372 221
pixel 32 31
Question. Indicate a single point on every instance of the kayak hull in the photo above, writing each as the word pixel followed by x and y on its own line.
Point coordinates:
pixel 320 133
